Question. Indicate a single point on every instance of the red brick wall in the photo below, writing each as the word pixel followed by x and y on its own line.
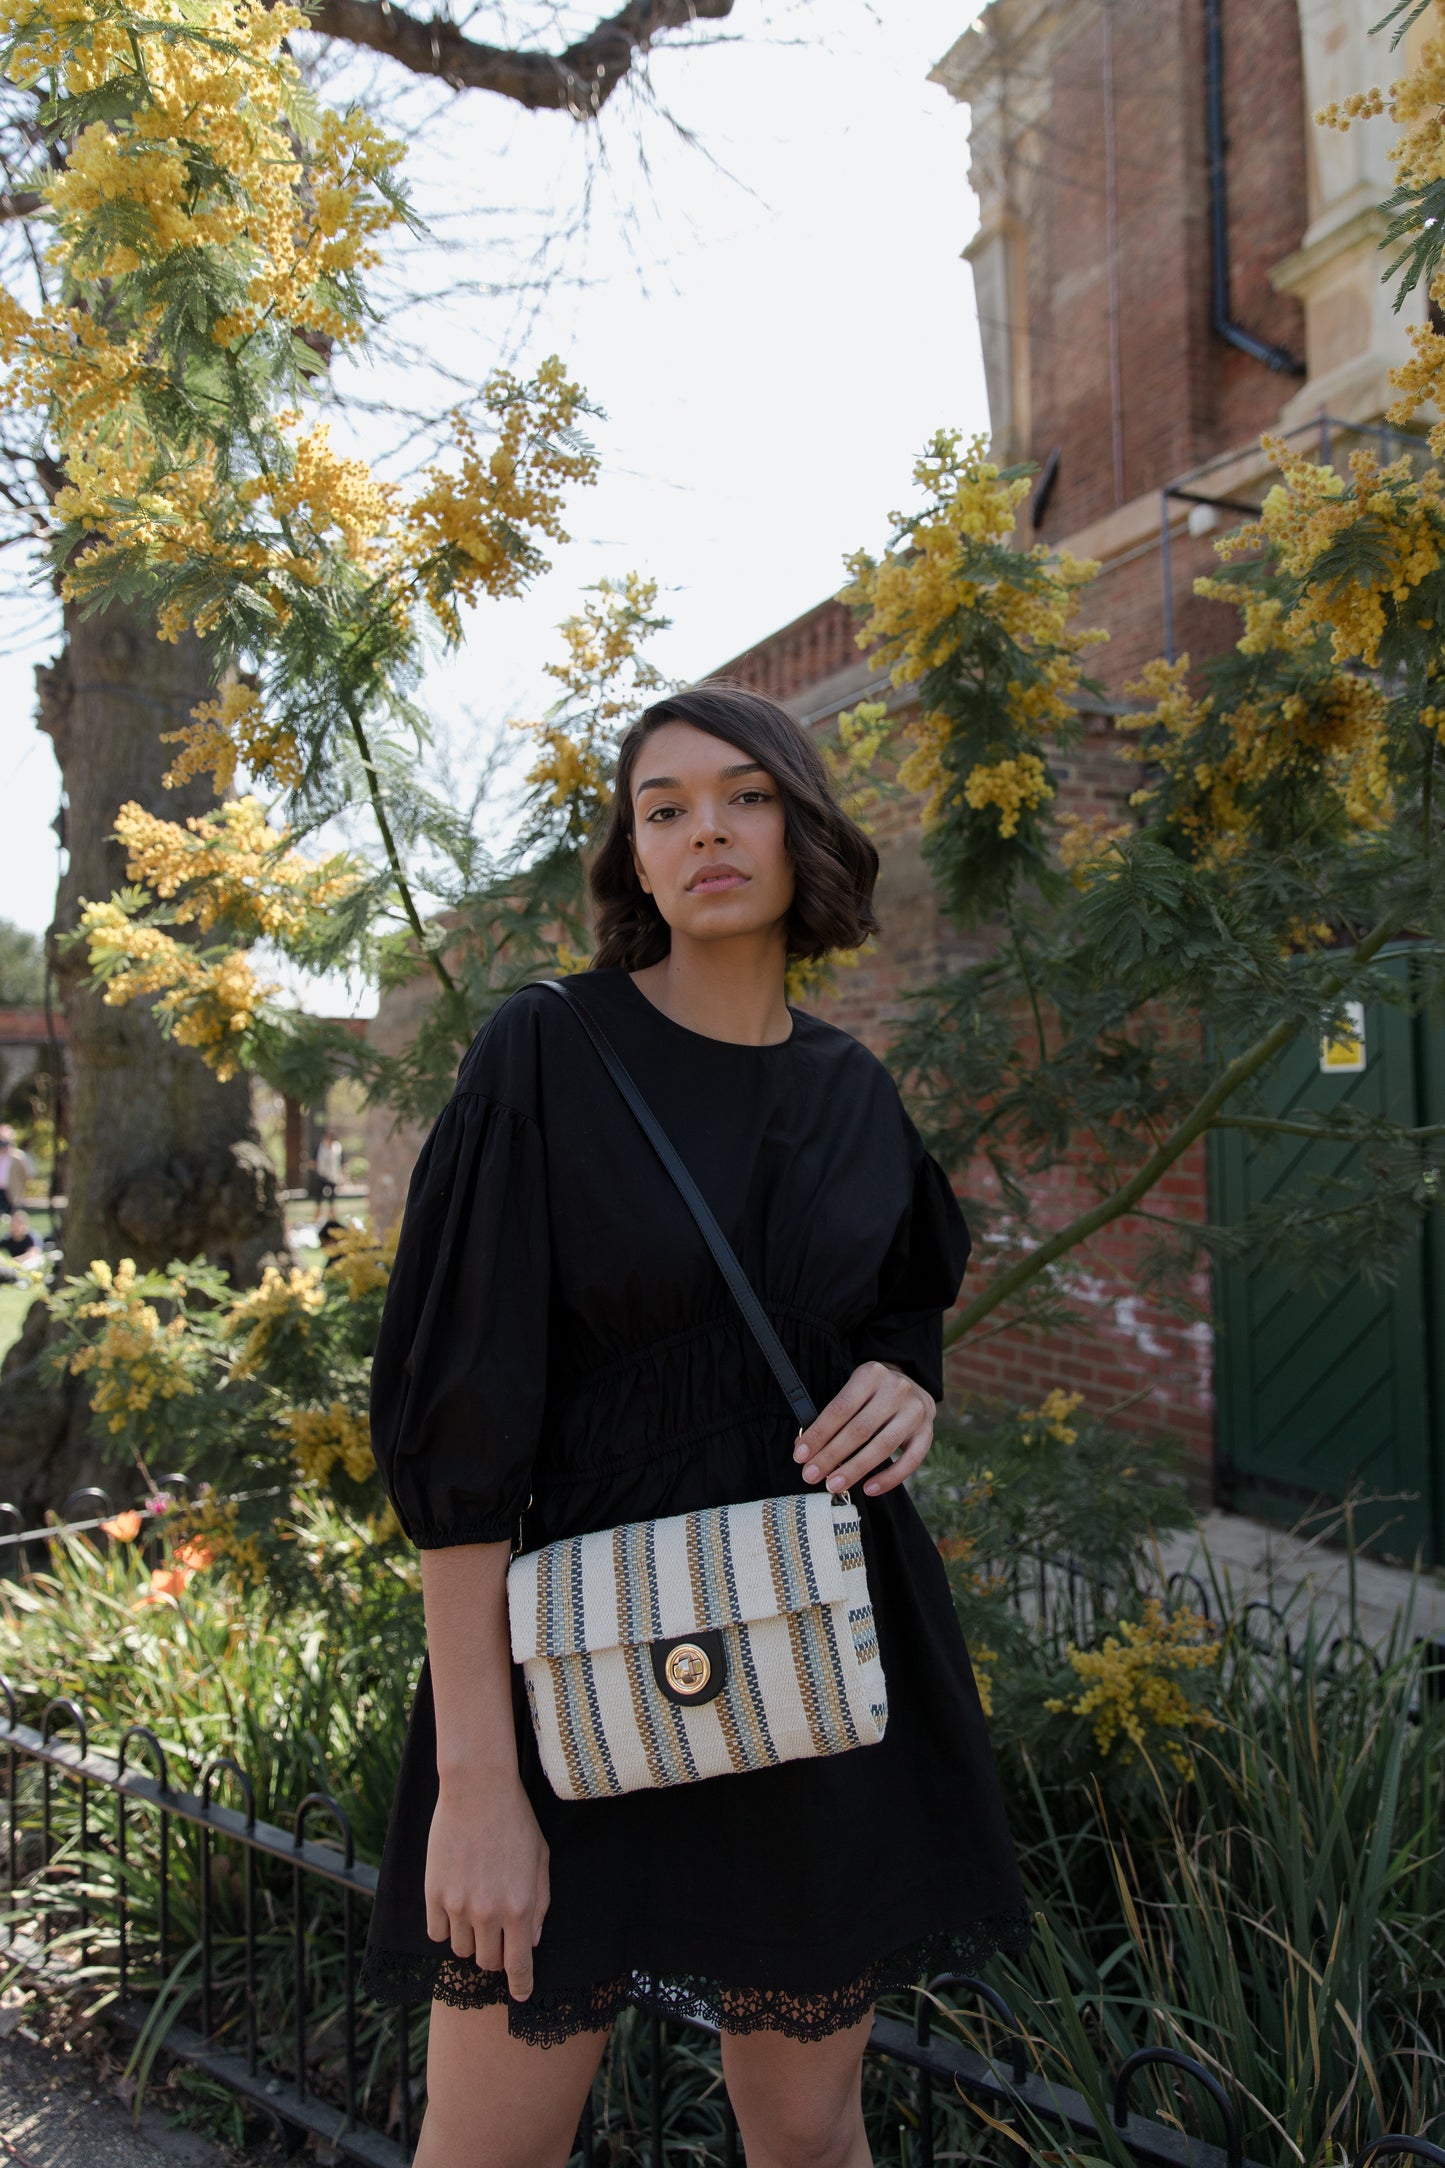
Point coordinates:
pixel 1184 394
pixel 1127 601
pixel 1130 1357
pixel 812 648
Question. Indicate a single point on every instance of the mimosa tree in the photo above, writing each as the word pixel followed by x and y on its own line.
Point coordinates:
pixel 161 1154
pixel 211 234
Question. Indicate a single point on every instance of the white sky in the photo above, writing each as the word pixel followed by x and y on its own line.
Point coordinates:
pixel 774 321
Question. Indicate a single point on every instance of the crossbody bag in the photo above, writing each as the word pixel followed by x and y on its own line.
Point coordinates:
pixel 699 1644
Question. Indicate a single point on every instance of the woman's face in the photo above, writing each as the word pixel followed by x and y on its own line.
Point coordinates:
pixel 707 829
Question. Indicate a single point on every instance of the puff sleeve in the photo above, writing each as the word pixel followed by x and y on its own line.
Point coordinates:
pixel 920 1276
pixel 458 1381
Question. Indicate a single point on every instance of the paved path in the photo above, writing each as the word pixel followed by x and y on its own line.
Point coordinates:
pixel 1251 1559
pixel 52 2116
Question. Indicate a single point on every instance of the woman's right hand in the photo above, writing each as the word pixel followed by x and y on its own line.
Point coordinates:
pixel 487 1886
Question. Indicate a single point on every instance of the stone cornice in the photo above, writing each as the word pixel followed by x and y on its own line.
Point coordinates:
pixel 1003 34
pixel 1358 226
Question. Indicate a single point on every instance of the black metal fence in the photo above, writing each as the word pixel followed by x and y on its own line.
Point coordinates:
pixel 74 1924
pixel 1068 1604
pixel 65 1889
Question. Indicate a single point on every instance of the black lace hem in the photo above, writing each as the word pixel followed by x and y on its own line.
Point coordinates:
pixel 398 1977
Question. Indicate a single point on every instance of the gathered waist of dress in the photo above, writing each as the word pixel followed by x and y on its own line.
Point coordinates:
pixel 680 1390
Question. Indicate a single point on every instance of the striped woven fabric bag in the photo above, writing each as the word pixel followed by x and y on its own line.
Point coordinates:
pixel 703 1643
pixel 698 1645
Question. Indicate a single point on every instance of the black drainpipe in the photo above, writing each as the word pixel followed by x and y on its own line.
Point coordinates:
pixel 1273 357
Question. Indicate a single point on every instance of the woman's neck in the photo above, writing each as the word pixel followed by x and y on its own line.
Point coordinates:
pixel 724 990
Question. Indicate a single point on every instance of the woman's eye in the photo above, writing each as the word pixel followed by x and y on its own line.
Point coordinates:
pixel 665 812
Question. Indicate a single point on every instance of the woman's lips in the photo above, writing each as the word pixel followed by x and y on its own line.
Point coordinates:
pixel 717 880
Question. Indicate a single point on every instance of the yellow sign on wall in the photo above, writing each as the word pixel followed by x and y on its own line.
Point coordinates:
pixel 1344 1054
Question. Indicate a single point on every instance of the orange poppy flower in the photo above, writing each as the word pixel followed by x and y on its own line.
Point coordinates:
pixel 166 1581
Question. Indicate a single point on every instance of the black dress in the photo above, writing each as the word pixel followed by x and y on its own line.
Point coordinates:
pixel 556 1329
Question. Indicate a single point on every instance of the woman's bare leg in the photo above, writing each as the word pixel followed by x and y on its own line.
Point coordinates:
pixel 496 2102
pixel 799 2103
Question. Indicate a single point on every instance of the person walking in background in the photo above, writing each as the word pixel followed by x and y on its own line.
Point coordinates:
pixel 16 1172
pixel 330 1166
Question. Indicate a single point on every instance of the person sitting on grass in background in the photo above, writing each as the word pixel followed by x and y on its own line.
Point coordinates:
pixel 20 1247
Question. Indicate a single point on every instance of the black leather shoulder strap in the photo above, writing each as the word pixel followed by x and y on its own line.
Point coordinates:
pixel 716 1240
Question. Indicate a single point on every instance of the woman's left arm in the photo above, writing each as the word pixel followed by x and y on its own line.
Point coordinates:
pixel 880 1426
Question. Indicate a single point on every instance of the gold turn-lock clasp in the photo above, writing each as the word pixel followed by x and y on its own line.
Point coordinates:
pixel 688 1668
pixel 692 1670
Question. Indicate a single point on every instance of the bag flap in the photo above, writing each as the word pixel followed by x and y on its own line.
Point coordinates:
pixel 659 1580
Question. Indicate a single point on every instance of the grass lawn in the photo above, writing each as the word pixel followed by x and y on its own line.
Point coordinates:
pixel 14 1302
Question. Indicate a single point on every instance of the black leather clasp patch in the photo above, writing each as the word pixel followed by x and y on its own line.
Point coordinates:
pixel 692 1669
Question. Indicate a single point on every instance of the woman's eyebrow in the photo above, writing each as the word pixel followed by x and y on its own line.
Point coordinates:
pixel 672 782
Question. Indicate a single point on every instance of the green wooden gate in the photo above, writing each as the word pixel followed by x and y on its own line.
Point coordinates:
pixel 1319 1388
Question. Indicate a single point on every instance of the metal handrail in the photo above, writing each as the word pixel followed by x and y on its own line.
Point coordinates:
pixel 1181 489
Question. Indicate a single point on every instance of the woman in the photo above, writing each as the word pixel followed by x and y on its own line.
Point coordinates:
pixel 560 1350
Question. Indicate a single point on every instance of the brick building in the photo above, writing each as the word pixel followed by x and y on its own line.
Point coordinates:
pixel 1171 257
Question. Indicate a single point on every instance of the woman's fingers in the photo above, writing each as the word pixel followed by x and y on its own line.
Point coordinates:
pixel 895 1437
pixel 880 1416
pixel 890 1399
pixel 486 1947
pixel 487 1885
pixel 497 1944
pixel 911 1458
pixel 542 1900
pixel 893 1416
pixel 850 1404
pixel 850 1435
pixel 516 1954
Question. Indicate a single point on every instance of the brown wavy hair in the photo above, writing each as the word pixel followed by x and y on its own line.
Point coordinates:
pixel 835 866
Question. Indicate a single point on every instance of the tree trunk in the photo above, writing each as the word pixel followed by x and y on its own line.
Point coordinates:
pixel 163 1159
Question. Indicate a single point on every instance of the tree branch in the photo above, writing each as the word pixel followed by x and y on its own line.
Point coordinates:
pixel 579 80
pixel 1321 1133
pixel 428 948
pixel 22 203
